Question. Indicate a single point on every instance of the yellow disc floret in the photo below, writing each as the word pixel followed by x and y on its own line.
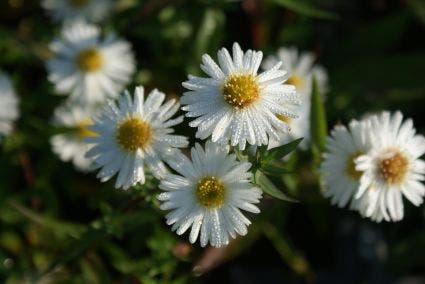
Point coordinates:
pixel 78 3
pixel 133 133
pixel 296 81
pixel 82 131
pixel 394 168
pixel 89 60
pixel 210 192
pixel 240 90
pixel 351 166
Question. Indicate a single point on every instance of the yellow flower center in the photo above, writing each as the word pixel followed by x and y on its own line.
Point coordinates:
pixel 89 60
pixel 78 3
pixel 133 134
pixel 394 168
pixel 351 166
pixel 210 192
pixel 240 90
pixel 82 131
pixel 284 118
pixel 296 81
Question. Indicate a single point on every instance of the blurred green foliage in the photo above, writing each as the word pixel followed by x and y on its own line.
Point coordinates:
pixel 60 226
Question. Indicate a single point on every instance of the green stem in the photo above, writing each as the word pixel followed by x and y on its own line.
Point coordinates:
pixel 291 257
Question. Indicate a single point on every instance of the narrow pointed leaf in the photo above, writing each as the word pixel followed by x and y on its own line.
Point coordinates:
pixel 206 36
pixel 268 187
pixel 276 168
pixel 281 151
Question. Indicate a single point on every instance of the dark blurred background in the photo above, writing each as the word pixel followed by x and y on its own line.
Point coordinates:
pixel 61 226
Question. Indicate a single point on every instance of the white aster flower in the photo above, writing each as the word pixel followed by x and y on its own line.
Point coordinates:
pixel 88 67
pixel 9 111
pixel 301 69
pixel 392 168
pixel 70 145
pixel 236 103
pixel 339 175
pixel 209 194
pixel 133 134
pixel 69 10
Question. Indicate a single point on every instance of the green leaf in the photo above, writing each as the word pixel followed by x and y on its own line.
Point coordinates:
pixel 281 151
pixel 268 187
pixel 307 9
pixel 74 230
pixel 239 154
pixel 275 168
pixel 318 123
pixel 89 273
pixel 213 21
pixel 99 231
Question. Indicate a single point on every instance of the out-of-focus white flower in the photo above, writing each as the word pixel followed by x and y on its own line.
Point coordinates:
pixel 392 168
pixel 373 164
pixel 301 69
pixel 70 146
pixel 133 134
pixel 88 67
pixel 339 175
pixel 235 103
pixel 209 194
pixel 9 111
pixel 69 10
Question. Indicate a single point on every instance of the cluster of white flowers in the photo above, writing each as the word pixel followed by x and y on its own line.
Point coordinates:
pixel 370 164
pixel 89 68
pixel 235 106
pixel 373 163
